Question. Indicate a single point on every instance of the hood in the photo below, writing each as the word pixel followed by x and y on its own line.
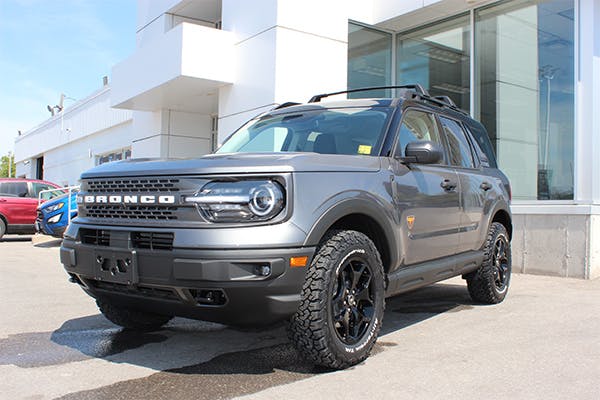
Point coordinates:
pixel 237 163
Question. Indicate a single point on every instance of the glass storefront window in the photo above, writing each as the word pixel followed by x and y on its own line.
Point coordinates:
pixel 369 60
pixel 525 93
pixel 437 57
pixel 524 82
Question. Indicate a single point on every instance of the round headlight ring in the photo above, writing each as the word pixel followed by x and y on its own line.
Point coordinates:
pixel 263 199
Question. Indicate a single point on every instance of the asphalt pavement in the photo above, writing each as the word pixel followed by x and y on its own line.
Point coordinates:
pixel 543 341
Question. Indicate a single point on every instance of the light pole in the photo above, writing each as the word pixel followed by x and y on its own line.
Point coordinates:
pixel 10 158
pixel 547 72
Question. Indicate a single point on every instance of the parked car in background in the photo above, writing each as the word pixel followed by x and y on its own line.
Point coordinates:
pixel 19 202
pixel 53 216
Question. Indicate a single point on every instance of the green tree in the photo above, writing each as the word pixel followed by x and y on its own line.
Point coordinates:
pixel 4 166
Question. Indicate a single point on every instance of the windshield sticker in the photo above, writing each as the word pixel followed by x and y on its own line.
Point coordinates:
pixel 364 149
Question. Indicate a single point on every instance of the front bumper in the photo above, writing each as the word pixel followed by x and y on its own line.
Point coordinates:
pixel 230 286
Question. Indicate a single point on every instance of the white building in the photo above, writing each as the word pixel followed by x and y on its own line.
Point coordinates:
pixel 529 70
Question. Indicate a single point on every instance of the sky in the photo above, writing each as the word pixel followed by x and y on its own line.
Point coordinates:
pixel 53 47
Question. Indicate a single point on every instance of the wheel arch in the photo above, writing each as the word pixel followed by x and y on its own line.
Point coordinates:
pixel 364 217
pixel 502 216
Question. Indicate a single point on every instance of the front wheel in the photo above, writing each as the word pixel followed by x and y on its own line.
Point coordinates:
pixel 489 283
pixel 342 302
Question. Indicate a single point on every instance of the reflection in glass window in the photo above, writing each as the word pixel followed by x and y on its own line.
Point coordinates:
pixel 369 60
pixel 460 149
pixel 525 93
pixel 437 57
pixel 123 154
pixel 417 126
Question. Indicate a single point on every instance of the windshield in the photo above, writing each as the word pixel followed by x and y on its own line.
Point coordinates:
pixel 326 131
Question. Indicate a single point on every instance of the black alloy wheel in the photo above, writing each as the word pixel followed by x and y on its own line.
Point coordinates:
pixel 342 302
pixel 489 283
pixel 353 300
pixel 501 264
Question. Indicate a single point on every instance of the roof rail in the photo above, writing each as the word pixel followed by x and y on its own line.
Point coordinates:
pixel 286 104
pixel 416 87
pixel 445 99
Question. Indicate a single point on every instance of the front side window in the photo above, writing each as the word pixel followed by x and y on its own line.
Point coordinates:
pixel 416 126
pixel 353 131
pixel 460 150
pixel 17 189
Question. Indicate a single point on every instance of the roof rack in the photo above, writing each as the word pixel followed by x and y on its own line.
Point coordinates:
pixel 284 105
pixel 415 90
pixel 445 99
pixel 416 87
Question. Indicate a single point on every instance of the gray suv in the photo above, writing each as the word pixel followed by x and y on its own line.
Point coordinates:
pixel 312 213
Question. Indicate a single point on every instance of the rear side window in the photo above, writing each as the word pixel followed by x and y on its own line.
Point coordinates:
pixel 460 149
pixel 416 126
pixel 38 187
pixel 18 189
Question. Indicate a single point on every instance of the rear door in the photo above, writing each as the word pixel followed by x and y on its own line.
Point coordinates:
pixel 474 184
pixel 426 197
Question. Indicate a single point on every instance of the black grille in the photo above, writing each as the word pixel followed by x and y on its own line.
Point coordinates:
pixel 131 212
pixel 152 240
pixel 137 290
pixel 96 237
pixel 145 185
pixel 131 186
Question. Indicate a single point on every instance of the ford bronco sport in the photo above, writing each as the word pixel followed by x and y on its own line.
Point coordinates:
pixel 310 212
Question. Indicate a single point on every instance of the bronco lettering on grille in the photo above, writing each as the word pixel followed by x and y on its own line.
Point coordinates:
pixel 125 199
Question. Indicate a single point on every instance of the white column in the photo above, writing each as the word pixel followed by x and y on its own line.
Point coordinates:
pixel 285 51
pixel 587 135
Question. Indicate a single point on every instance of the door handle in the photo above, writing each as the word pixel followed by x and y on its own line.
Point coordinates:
pixel 2 200
pixel 485 186
pixel 448 185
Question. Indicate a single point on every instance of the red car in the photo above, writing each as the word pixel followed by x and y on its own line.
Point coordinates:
pixel 19 201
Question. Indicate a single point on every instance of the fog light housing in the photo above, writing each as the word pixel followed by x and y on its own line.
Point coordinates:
pixel 55 219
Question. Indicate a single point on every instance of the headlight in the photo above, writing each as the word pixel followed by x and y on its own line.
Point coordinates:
pixel 251 200
pixel 55 207
pixel 55 219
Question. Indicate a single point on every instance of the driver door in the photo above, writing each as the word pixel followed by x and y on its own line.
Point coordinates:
pixel 426 197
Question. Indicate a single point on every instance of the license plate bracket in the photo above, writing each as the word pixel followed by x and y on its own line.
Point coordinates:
pixel 116 266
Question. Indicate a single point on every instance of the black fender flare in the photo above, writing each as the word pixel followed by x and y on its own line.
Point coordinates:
pixel 368 207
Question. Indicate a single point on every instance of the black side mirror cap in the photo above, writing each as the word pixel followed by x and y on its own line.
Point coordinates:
pixel 423 152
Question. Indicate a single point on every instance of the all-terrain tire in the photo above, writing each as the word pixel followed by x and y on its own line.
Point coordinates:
pixel 489 283
pixel 342 302
pixel 132 319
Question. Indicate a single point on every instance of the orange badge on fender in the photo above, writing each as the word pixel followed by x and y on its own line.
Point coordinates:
pixel 410 221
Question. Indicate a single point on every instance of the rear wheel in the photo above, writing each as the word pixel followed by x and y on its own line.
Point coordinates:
pixel 489 283
pixel 130 318
pixel 2 228
pixel 342 304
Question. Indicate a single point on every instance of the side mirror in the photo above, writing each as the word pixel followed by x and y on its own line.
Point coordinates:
pixel 423 152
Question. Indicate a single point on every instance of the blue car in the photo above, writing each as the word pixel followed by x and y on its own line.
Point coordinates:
pixel 52 216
